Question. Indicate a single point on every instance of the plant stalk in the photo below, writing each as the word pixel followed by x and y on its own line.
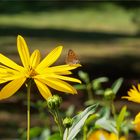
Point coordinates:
pixel 59 122
pixel 89 91
pixel 28 109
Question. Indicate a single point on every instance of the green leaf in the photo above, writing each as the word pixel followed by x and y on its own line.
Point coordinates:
pixel 84 76
pixel 70 111
pixel 106 124
pixel 45 134
pixel 101 79
pixel 55 136
pixel 90 119
pixel 96 83
pixel 78 122
pixel 120 118
pixel 116 85
pixel 34 132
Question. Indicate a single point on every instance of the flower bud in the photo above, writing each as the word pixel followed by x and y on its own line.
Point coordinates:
pixel 109 94
pixel 67 122
pixel 54 102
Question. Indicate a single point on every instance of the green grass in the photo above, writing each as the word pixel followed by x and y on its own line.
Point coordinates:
pixel 109 18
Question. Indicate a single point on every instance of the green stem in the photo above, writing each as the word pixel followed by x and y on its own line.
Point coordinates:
pixel 113 109
pixel 59 122
pixel 57 119
pixel 85 132
pixel 114 115
pixel 67 133
pixel 89 90
pixel 28 109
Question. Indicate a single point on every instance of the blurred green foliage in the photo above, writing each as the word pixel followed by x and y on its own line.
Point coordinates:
pixel 15 6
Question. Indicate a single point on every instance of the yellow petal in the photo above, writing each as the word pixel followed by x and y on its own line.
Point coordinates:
pixel 50 58
pixel 63 67
pixel 8 62
pixel 123 138
pixel 8 74
pixel 6 70
pixel 134 95
pixel 66 78
pixel 99 135
pixel 11 88
pixel 59 77
pixel 64 72
pixel 43 89
pixel 134 99
pixel 23 51
pixel 59 85
pixel 58 69
pixel 137 119
pixel 113 136
pixel 2 80
pixel 35 59
pixel 125 97
pixel 139 87
pixel 6 78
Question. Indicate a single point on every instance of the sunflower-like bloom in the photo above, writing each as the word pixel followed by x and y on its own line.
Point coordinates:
pixel 134 94
pixel 137 119
pixel 136 123
pixel 104 135
pixel 113 136
pixel 99 135
pixel 43 75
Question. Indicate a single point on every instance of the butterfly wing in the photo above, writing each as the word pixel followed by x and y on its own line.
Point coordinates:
pixel 72 58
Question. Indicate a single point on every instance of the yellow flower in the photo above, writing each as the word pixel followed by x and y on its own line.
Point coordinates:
pixel 134 94
pixel 136 123
pixel 137 119
pixel 104 135
pixel 99 135
pixel 113 136
pixel 43 75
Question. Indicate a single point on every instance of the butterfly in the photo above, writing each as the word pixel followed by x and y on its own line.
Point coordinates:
pixel 72 58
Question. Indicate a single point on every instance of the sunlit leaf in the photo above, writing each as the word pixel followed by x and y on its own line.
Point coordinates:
pixel 84 76
pixel 106 124
pixel 78 122
pixel 45 134
pixel 55 136
pixel 116 85
pixel 70 111
pixel 120 118
pixel 97 83
pixel 34 132
pixel 102 79
pixel 91 118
